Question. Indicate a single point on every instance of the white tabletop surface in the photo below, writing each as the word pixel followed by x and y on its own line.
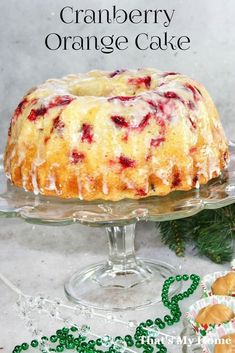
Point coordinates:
pixel 38 259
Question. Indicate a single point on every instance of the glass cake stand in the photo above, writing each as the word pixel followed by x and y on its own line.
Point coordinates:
pixel 124 282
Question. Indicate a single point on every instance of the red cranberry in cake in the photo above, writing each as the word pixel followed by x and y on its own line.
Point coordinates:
pixel 119 121
pixel 77 157
pixel 87 133
pixel 140 81
pixel 58 124
pixel 176 179
pixel 122 98
pixel 156 142
pixel 144 122
pixel 126 162
pixel 171 95
pixel 37 113
pixel 60 101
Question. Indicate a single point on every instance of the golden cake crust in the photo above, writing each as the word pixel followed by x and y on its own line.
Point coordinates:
pixel 115 135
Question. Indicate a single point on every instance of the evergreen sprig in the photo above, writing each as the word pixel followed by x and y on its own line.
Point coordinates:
pixel 211 231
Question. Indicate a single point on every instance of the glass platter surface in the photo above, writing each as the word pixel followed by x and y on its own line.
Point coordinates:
pixel 16 202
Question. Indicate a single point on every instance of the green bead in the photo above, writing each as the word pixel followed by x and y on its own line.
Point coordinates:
pixel 44 338
pixel 167 318
pixel 34 343
pixel 91 343
pixel 99 342
pixel 185 277
pixel 186 295
pixel 24 346
pixel 128 338
pixel 157 321
pixel 65 330
pixel 17 349
pixel 170 322
pixel 70 345
pixel 130 343
pixel 62 341
pixel 178 278
pixel 162 325
pixel 59 332
pixel 73 329
pixel 53 338
pixel 176 319
pixel 142 324
pixel 59 348
pixel 193 276
pixel 138 344
pixel 149 322
pixel 171 279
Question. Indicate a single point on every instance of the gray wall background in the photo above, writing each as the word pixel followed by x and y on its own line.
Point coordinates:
pixel 25 61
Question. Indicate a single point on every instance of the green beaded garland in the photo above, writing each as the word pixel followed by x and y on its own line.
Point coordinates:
pixel 79 343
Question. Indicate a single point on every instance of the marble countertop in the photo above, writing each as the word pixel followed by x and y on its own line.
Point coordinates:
pixel 38 259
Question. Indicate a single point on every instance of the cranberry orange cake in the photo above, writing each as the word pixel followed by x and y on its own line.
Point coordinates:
pixel 115 135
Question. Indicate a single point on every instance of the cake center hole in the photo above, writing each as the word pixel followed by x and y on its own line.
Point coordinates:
pixel 103 87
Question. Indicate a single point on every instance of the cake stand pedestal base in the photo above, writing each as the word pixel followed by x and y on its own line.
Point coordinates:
pixel 124 282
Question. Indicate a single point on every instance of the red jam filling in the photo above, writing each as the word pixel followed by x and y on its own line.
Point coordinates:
pixel 77 157
pixel 87 133
pixel 119 121
pixel 141 81
pixel 126 162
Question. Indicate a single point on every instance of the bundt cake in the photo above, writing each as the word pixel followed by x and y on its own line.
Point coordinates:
pixel 115 135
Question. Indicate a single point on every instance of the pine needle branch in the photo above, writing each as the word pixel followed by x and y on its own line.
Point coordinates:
pixel 212 232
